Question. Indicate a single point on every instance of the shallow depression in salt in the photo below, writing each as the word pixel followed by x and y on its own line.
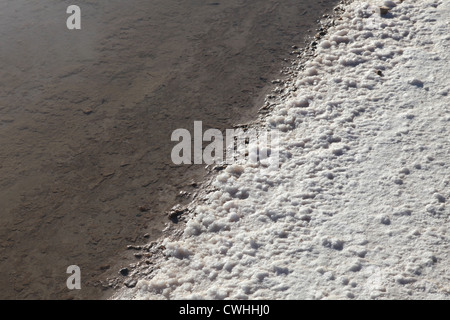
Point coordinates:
pixel 358 208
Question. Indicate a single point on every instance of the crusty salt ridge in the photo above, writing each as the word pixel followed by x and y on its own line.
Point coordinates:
pixel 358 208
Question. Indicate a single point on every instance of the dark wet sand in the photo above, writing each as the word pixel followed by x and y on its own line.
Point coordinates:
pixel 86 118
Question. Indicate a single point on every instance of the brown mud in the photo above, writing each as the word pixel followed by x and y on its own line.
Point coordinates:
pixel 86 118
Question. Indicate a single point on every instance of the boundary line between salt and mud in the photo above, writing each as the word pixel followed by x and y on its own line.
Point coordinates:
pixel 152 253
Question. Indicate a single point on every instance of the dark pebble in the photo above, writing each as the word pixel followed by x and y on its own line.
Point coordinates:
pixel 124 271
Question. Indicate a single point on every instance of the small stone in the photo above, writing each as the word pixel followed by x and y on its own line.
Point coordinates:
pixel 338 245
pixel 389 4
pixel 356 267
pixel 338 152
pixel 384 10
pixel 306 218
pixel 176 211
pixel 124 272
pixel 416 82
pixel 87 111
pixel 405 171
pixel 362 253
pixel 439 198
pixel 385 220
pixel 130 283
pixel 219 168
pixel 403 280
pixel 194 184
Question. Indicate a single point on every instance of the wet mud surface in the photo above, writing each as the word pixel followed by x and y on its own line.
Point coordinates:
pixel 86 119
